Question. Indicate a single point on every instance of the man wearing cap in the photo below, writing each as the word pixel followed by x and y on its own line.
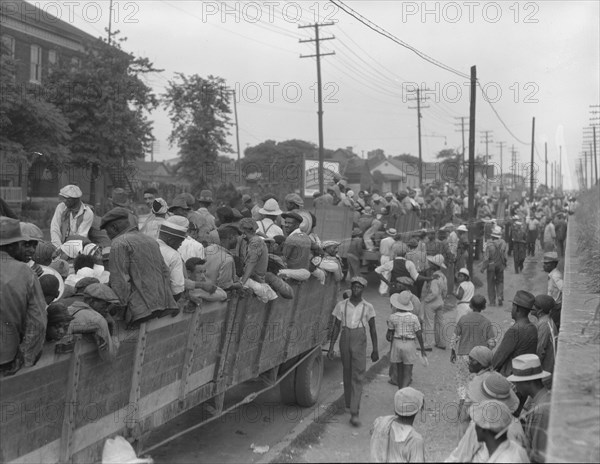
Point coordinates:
pixel 92 316
pixel 255 259
pixel 547 332
pixel 293 201
pixel 555 284
pixel 269 214
pixel 520 338
pixel 170 237
pixel 71 217
pixel 352 316
pixel 158 213
pixel 138 273
pixel 394 438
pixel 23 316
pixel 527 376
pixel 297 245
pixel 330 261
pixel 207 229
pixel 494 263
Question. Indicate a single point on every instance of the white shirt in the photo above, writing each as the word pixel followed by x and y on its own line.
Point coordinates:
pixel 555 285
pixel 385 246
pixel 175 264
pixel 191 248
pixel 468 291
pixel 350 315
pixel 83 229
pixel 269 228
pixel 410 267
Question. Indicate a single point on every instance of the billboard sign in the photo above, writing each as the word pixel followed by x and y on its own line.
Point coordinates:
pixel 311 175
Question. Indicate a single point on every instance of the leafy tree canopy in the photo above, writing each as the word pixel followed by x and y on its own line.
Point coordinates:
pixel 199 109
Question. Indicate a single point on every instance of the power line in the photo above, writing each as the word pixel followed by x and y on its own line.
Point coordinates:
pixel 348 10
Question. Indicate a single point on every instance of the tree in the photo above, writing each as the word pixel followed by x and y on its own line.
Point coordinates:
pixel 448 154
pixel 28 123
pixel 199 109
pixel 106 103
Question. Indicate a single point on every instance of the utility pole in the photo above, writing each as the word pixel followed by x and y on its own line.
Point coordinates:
pixel 487 157
pixel 560 178
pixel 501 144
pixel 532 149
pixel 237 127
pixel 595 155
pixel 513 160
pixel 462 130
pixel 110 22
pixel 552 175
pixel 585 169
pixel 418 108
pixel 546 163
pixel 472 166
pixel 318 55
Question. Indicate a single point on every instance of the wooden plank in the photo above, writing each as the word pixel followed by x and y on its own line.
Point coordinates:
pixel 226 337
pixel 334 222
pixel 188 359
pixel 134 393
pixel 68 425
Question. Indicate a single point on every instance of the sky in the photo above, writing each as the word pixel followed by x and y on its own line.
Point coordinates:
pixel 533 59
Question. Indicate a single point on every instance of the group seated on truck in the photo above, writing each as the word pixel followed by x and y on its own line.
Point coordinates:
pixel 80 292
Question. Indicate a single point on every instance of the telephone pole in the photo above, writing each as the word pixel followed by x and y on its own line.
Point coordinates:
pixel 487 157
pixel 585 170
pixel 546 163
pixel 462 130
pixel 318 55
pixel 419 116
pixel 532 149
pixel 110 7
pixel 471 190
pixel 237 127
pixel 560 178
pixel 501 144
pixel 514 167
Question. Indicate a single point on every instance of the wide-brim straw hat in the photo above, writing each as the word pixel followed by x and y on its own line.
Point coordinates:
pixel 437 260
pixel 527 367
pixel 493 387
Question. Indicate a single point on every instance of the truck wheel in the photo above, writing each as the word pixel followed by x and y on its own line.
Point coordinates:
pixel 308 380
pixel 287 389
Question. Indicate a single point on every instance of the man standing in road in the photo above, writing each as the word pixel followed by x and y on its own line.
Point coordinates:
pixel 352 316
pixel 555 284
pixel 494 263
pixel 520 338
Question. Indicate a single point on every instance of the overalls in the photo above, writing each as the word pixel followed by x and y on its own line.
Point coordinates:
pixel 353 351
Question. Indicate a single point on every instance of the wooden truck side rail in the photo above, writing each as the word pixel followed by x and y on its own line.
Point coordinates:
pixel 63 408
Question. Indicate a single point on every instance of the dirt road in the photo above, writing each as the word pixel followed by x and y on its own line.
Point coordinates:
pixel 337 441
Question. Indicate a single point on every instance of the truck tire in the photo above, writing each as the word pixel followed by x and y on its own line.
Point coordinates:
pixel 308 380
pixel 287 389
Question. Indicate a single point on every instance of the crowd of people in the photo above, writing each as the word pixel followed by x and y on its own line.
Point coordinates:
pixel 95 271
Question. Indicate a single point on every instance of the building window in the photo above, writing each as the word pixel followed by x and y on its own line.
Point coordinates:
pixel 52 57
pixel 8 45
pixel 35 71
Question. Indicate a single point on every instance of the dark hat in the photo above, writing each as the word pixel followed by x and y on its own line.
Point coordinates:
pixel 236 214
pixel 248 223
pixel 113 215
pixel 179 202
pixel 10 232
pixel 226 213
pixel 101 292
pixel 205 196
pixel 524 299
pixel 545 303
pixel 189 199
pixel 82 284
pixel 246 198
pixel 119 197
pixel 293 215
pixel 57 313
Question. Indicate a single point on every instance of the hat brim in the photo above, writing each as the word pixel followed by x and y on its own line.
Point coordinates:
pixel 404 307
pixel 441 265
pixel 518 378
pixel 21 238
pixel 270 213
pixel 477 396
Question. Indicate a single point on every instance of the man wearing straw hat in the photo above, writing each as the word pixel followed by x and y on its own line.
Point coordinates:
pixel 433 296
pixel 269 212
pixel 492 387
pixel 528 377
